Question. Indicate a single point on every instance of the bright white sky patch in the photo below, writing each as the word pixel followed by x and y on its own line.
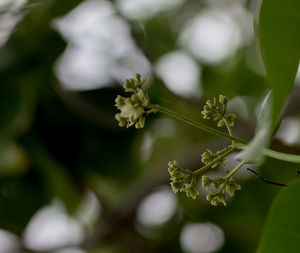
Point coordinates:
pixel 201 238
pixel 157 208
pixel 212 36
pixel 180 73
pixel 144 9
pixel 100 48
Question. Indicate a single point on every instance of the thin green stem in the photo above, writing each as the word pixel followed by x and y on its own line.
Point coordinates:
pixel 238 143
pixel 274 154
pixel 232 172
pixel 207 166
pixel 227 125
pixel 226 168
pixel 282 156
pixel 195 123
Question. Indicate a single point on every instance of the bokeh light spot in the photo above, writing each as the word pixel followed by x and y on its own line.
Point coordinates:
pixel 100 49
pixel 201 238
pixel 180 72
pixel 8 242
pixel 289 131
pixel 157 208
pixel 51 228
pixel 212 36
pixel 145 9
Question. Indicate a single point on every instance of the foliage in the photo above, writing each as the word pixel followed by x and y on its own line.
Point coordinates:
pixel 64 145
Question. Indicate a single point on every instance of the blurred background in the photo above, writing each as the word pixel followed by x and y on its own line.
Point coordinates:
pixel 72 181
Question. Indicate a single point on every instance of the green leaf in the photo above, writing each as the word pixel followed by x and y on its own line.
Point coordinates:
pixel 281 231
pixel 279 36
pixel 13 158
pixel 254 151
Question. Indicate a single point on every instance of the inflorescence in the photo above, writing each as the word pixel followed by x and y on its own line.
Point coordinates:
pixel 217 110
pixel 182 180
pixel 135 108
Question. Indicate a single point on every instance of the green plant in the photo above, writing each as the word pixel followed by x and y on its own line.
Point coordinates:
pixel 135 108
pixel 277 26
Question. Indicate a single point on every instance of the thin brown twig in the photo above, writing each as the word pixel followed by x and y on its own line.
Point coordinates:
pixel 265 180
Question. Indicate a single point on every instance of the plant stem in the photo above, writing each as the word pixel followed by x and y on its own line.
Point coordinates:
pixel 225 167
pixel 274 154
pixel 232 172
pixel 227 125
pixel 238 143
pixel 196 124
pixel 282 156
pixel 207 166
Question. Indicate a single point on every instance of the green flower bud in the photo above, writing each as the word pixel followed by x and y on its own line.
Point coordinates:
pixel 207 157
pixel 223 99
pixel 133 109
pixel 177 186
pixel 210 196
pixel 206 115
pixel 137 77
pixel 120 101
pixel 221 123
pixel 217 182
pixel 206 182
pixel 231 187
pixel 129 85
pixel 217 110
pixel 217 117
pixel 173 165
pixel 206 108
pixel 215 201
pixel 230 119
pixel 192 192
pixel 211 103
pixel 141 122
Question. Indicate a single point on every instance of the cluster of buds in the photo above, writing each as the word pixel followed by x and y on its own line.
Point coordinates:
pixel 217 110
pixel 182 180
pixel 133 108
pixel 208 157
pixel 223 186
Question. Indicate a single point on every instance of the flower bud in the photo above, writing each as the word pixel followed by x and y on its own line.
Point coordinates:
pixel 221 123
pixel 206 182
pixel 215 201
pixel 137 76
pixel 223 99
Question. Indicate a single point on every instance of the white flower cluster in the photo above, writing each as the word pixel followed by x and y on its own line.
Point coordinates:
pixel 133 109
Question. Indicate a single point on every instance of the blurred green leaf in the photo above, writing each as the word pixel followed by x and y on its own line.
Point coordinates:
pixel 55 177
pixel 279 36
pixel 157 38
pixel 13 159
pixel 17 104
pixel 20 197
pixel 229 80
pixel 254 151
pixel 282 228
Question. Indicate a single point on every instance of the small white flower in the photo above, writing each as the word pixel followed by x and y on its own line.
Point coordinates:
pixel 133 109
